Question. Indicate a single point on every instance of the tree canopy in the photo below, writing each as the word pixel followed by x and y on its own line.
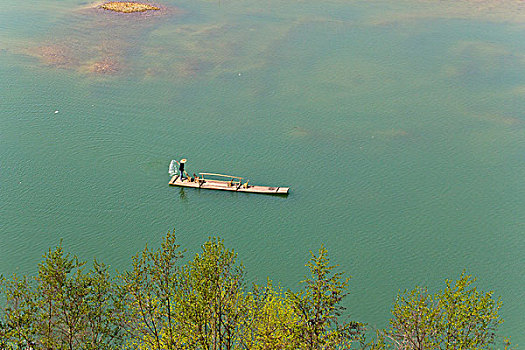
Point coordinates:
pixel 205 303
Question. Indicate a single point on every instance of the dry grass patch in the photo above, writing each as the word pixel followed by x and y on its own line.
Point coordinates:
pixel 128 7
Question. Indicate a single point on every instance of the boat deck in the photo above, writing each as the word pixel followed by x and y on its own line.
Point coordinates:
pixel 226 186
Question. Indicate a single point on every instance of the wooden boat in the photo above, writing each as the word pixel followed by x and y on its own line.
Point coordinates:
pixel 211 181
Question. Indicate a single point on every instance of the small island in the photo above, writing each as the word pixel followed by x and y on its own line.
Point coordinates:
pixel 128 7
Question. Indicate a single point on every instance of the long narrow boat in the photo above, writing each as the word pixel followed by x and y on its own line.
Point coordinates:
pixel 211 181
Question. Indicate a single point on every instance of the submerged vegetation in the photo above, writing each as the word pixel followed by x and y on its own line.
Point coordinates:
pixel 205 303
pixel 128 7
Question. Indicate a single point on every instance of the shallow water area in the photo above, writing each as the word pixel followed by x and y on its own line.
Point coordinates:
pixel 399 127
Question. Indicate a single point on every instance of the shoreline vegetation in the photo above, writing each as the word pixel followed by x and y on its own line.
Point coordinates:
pixel 128 7
pixel 205 303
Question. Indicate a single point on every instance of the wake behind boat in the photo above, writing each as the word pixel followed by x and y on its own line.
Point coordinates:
pixel 213 181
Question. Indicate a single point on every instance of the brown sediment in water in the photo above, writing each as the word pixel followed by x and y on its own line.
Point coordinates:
pixel 103 57
pixel 509 11
pixel 498 118
pixel 128 7
pixel 106 65
pixel 473 60
pixel 190 67
pixel 104 44
pixel 58 56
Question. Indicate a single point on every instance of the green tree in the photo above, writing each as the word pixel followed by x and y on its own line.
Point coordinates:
pixel 271 320
pixel 17 328
pixel 319 309
pixel 205 304
pixel 62 288
pixel 458 317
pixel 149 292
pixel 213 300
pixel 103 311
pixel 62 308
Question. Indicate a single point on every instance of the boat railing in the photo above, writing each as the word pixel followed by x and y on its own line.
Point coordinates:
pixel 233 180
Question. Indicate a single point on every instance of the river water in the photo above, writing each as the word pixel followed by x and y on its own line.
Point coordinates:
pixel 399 127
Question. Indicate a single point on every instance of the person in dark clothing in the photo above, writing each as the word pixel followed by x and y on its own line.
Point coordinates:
pixel 181 168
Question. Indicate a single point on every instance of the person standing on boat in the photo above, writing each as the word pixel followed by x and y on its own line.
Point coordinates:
pixel 181 168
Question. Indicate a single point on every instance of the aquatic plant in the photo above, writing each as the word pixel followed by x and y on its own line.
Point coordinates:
pixel 128 7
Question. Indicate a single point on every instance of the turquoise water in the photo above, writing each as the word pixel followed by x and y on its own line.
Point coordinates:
pixel 399 127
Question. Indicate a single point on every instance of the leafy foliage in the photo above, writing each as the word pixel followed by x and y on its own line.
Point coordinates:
pixel 64 307
pixel 17 328
pixel 162 303
pixel 271 320
pixel 458 317
pixel 318 307
pixel 213 299
pixel 148 292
